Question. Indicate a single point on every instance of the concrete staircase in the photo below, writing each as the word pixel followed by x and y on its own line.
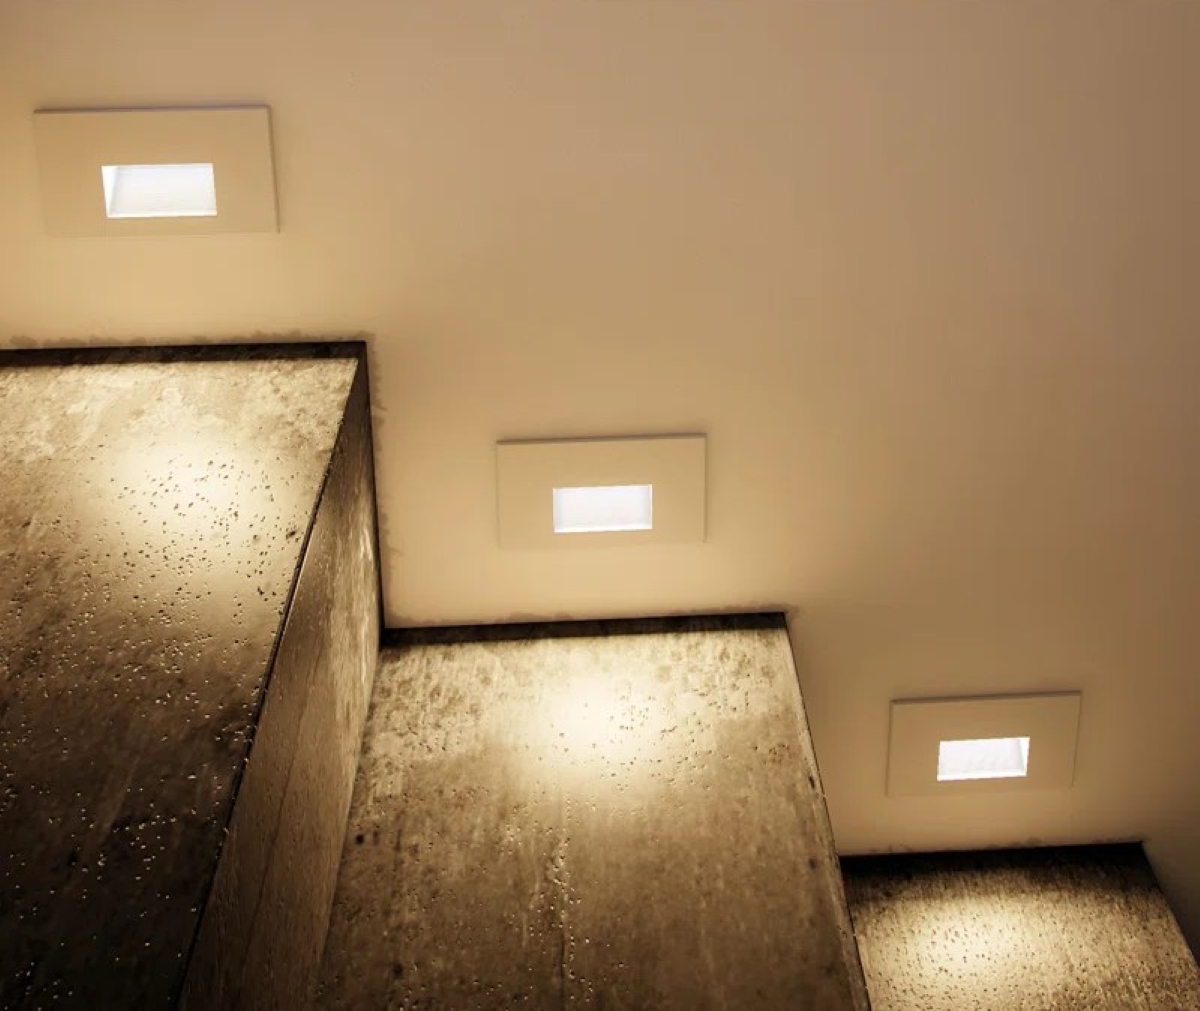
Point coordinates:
pixel 593 815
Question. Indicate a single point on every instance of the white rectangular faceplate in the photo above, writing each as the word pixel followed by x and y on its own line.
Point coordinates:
pixel 156 171
pixel 1002 742
pixel 601 492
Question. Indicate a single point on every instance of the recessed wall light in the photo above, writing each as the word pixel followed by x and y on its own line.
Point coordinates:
pixel 154 172
pixel 603 509
pixel 983 758
pixel 159 191
pixel 948 747
pixel 623 492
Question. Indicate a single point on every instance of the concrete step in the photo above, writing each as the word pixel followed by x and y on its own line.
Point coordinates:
pixel 628 816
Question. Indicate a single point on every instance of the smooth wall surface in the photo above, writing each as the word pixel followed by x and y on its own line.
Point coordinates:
pixel 608 820
pixel 152 515
pixel 1059 929
pixel 265 920
pixel 924 272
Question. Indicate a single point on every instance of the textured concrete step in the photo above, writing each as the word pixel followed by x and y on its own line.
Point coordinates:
pixel 1081 928
pixel 625 817
pixel 187 575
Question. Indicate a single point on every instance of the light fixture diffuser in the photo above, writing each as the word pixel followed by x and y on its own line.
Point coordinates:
pixel 159 191
pixel 603 509
pixel 983 758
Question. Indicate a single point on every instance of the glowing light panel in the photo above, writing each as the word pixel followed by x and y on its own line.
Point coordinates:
pixel 603 509
pixel 986 758
pixel 160 191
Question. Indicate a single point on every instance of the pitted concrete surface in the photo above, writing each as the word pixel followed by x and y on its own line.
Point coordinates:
pixel 603 821
pixel 152 515
pixel 1081 928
